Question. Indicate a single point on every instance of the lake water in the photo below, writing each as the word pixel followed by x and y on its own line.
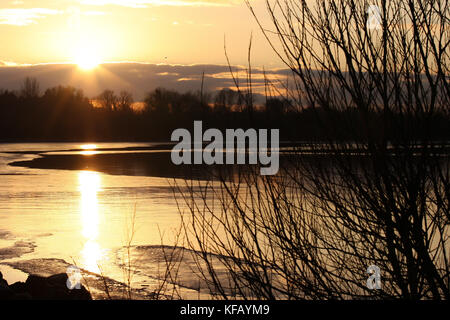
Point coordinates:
pixel 81 216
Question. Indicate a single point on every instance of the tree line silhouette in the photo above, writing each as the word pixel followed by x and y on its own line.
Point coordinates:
pixel 64 113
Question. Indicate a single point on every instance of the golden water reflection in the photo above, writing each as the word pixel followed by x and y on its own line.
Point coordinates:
pixel 88 146
pixel 88 149
pixel 89 186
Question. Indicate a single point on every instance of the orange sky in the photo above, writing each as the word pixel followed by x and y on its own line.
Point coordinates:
pixel 155 31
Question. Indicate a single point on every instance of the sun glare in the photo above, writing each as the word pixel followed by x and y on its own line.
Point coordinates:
pixel 88 149
pixel 89 146
pixel 87 59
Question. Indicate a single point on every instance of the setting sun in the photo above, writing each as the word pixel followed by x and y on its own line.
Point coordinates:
pixel 87 59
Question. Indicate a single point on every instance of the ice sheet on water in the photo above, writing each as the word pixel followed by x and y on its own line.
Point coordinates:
pixel 157 272
pixel 5 234
pixel 18 249
pixel 10 247
pixel 187 268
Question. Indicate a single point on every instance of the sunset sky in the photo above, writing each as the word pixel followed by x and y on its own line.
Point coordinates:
pixel 151 31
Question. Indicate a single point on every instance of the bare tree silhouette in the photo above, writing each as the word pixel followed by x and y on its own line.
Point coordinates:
pixel 108 100
pixel 29 88
pixel 125 101
pixel 374 191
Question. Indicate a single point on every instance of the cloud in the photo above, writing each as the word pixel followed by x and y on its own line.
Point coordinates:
pixel 146 3
pixel 7 64
pixel 137 78
pixel 24 17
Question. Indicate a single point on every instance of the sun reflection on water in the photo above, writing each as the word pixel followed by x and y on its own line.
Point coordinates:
pixel 89 186
pixel 89 146
pixel 88 149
